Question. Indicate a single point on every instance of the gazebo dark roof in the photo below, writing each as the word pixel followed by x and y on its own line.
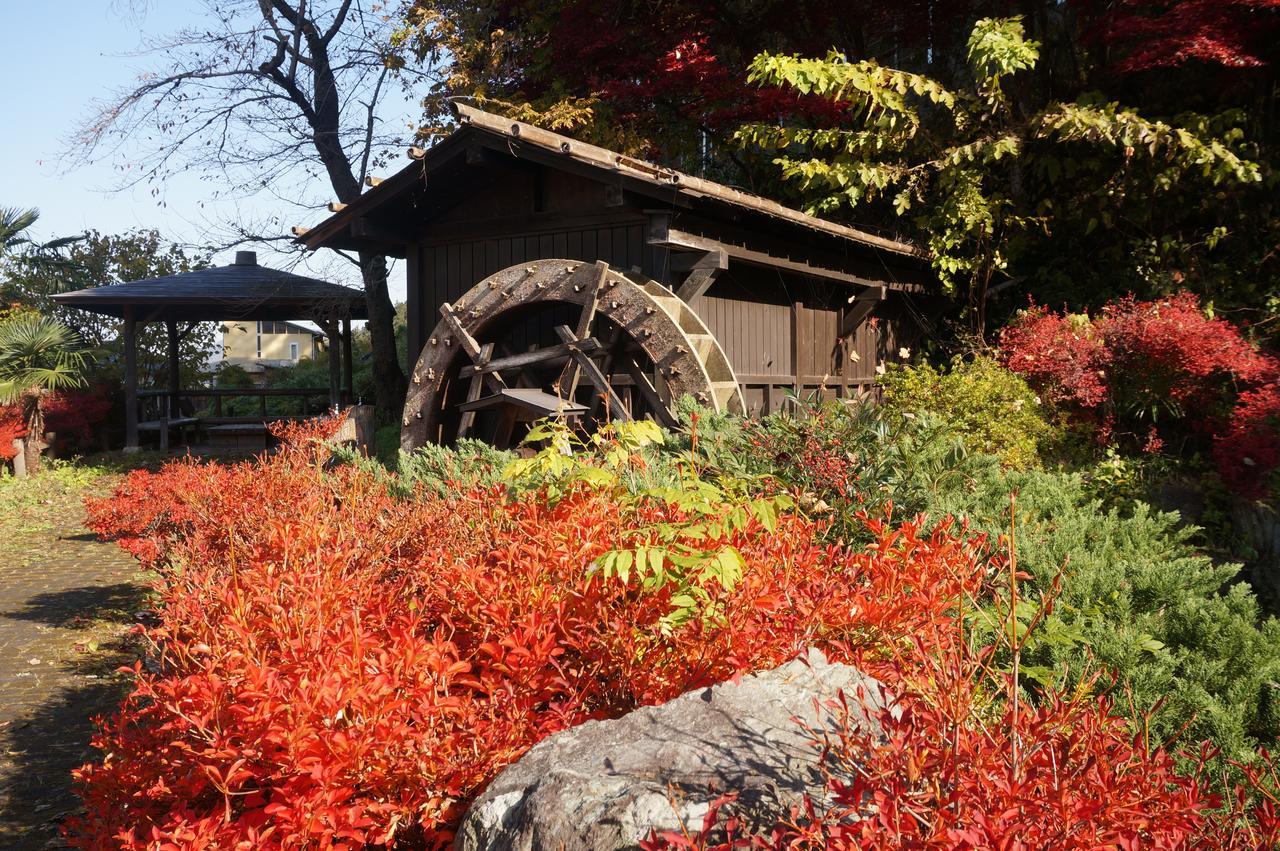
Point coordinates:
pixel 241 290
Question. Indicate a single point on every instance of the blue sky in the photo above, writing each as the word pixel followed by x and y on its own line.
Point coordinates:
pixel 56 59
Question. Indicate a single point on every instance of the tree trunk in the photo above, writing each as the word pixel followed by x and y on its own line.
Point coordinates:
pixel 390 384
pixel 33 444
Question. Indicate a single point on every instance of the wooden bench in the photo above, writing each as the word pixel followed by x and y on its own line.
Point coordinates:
pixel 238 436
pixel 252 433
pixel 163 426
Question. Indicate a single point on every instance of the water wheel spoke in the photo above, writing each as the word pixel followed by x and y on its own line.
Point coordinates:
pixel 596 377
pixel 477 385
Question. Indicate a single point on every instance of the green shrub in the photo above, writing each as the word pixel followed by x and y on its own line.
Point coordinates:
pixel 990 407
pixel 386 444
pixel 843 458
pixel 1137 598
pixel 442 470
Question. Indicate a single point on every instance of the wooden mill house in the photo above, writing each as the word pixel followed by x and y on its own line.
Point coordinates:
pixel 548 275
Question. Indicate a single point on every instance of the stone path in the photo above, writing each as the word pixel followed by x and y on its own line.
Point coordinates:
pixel 67 603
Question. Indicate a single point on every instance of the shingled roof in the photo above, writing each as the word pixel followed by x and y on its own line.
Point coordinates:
pixel 346 228
pixel 240 290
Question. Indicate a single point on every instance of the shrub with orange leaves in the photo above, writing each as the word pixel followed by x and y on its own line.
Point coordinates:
pixel 335 667
pixel 11 428
pixel 951 774
pixel 964 760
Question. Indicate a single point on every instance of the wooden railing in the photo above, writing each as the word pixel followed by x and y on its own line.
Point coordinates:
pixel 210 405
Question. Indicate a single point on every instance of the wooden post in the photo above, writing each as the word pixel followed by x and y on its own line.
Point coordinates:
pixel 130 381
pixel 175 383
pixel 798 340
pixel 335 368
pixel 348 382
pixel 175 374
pixel 473 392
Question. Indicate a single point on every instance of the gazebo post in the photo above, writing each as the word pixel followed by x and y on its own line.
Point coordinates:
pixel 130 381
pixel 348 383
pixel 175 385
pixel 335 368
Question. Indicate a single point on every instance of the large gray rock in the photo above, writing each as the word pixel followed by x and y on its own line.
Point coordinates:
pixel 607 784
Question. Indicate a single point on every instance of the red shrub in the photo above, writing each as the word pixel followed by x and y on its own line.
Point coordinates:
pixel 1169 351
pixel 1152 373
pixel 960 766
pixel 1062 357
pixel 1249 450
pixel 339 667
pixel 1065 774
pixel 11 428
pixel 75 416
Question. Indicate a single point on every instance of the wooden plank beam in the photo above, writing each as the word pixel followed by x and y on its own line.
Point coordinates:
pixel 691 261
pixel 561 350
pixel 661 233
pixel 703 271
pixel 595 376
pixel 473 392
pixel 571 373
pixel 860 307
pixel 469 345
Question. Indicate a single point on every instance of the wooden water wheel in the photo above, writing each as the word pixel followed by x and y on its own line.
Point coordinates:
pixel 561 338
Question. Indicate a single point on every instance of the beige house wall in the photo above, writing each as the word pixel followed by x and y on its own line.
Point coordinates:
pixel 242 342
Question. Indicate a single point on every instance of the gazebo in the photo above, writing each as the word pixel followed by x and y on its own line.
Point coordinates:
pixel 242 290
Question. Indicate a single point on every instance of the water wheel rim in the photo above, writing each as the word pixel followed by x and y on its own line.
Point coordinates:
pixel 683 350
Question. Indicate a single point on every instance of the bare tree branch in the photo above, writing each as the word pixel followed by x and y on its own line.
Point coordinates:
pixel 265 96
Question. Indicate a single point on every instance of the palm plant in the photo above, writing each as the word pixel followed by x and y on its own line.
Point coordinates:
pixel 17 243
pixel 38 356
pixel 13 226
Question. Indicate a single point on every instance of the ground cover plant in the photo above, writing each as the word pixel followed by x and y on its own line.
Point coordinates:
pixel 340 662
pixel 336 666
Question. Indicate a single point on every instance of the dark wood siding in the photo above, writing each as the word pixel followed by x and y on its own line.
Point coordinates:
pixel 779 330
pixel 447 269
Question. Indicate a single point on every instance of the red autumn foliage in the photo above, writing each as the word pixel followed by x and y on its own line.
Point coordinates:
pixel 1248 452
pixel 1170 349
pixel 1152 373
pixel 336 668
pixel 71 415
pixel 340 668
pixel 955 772
pixel 74 416
pixel 11 428
pixel 1149 34
pixel 1065 361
